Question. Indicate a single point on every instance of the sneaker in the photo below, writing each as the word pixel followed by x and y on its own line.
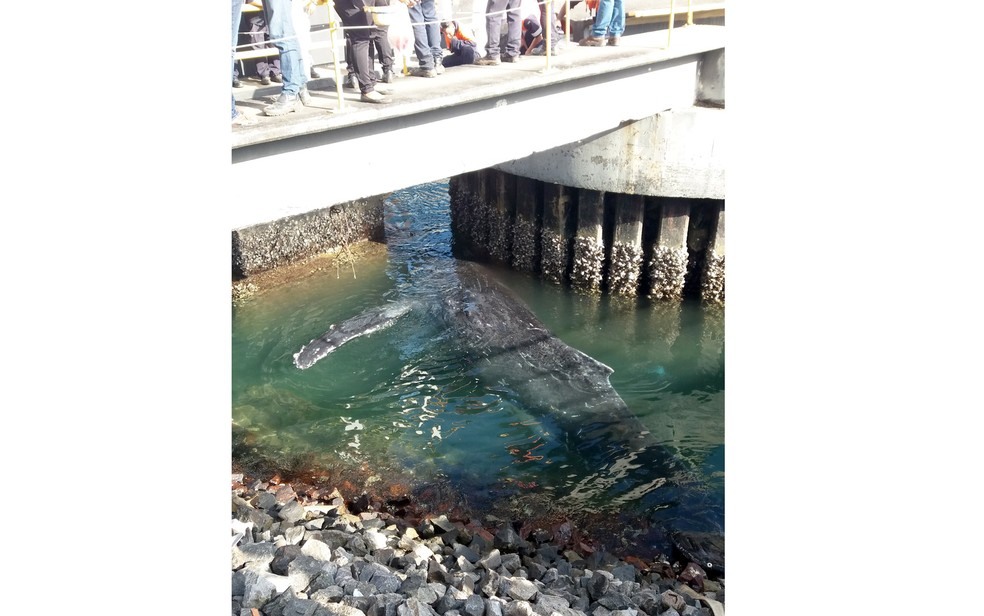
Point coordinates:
pixel 613 41
pixel 265 80
pixel 423 72
pixel 488 61
pixel 304 96
pixel 241 119
pixel 236 83
pixel 592 41
pixel 350 82
pixel 510 59
pixel 387 76
pixel 278 78
pixel 374 97
pixel 439 67
pixel 284 104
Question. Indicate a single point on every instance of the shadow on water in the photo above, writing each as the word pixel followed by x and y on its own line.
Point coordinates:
pixel 413 403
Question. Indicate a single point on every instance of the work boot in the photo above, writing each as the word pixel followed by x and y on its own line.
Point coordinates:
pixel 423 72
pixel 510 59
pixel 265 80
pixel 592 41
pixel 284 104
pixel 613 41
pixel 351 82
pixel 278 78
pixel 374 97
pixel 387 76
pixel 438 66
pixel 488 61
pixel 236 83
pixel 304 96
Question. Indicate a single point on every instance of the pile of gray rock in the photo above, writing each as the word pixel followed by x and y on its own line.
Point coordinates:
pixel 321 559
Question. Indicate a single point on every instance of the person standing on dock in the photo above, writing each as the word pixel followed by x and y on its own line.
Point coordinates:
pixel 280 22
pixel 359 27
pixel 610 18
pixel 426 38
pixel 493 29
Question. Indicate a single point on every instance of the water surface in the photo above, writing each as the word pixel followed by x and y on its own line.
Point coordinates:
pixel 404 398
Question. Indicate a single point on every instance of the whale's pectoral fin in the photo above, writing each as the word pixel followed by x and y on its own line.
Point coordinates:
pixel 368 322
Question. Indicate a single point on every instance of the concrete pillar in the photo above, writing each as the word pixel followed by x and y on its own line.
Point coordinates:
pixel 589 246
pixel 668 264
pixel 712 281
pixel 526 228
pixel 558 207
pixel 501 203
pixel 625 263
pixel 710 78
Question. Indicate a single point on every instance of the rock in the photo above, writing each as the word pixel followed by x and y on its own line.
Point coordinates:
pixel 258 590
pixel 520 589
pixel 283 557
pixel 598 584
pixel 316 549
pixel 262 553
pixel 672 600
pixel 474 606
pixel 413 607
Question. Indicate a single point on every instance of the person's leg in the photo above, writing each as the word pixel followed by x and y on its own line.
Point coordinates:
pixel 514 28
pixel 602 18
pixel 432 29
pixel 280 24
pixel 421 47
pixel 617 25
pixel 353 16
pixel 493 27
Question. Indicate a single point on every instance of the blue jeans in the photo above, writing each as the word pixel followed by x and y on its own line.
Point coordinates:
pixel 426 37
pixel 493 27
pixel 237 13
pixel 610 17
pixel 281 24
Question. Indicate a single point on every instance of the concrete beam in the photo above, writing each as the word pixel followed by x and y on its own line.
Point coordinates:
pixel 366 152
pixel 676 153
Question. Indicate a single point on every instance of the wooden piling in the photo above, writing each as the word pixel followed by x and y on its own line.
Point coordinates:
pixel 589 247
pixel 667 267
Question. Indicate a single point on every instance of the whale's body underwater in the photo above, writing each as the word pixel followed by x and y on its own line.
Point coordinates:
pixel 510 349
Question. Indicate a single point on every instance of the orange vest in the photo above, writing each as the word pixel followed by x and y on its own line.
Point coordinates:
pixel 458 34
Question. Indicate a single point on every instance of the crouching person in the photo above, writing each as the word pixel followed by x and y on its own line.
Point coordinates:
pixel 460 42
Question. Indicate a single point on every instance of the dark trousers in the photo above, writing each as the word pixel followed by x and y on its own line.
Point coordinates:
pixel 461 53
pixel 361 37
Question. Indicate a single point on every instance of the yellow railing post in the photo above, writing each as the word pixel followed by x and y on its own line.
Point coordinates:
pixel 690 14
pixel 332 27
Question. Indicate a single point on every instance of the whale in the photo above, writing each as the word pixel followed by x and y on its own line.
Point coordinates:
pixel 509 348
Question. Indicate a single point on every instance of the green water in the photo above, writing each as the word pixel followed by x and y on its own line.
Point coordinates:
pixel 403 398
